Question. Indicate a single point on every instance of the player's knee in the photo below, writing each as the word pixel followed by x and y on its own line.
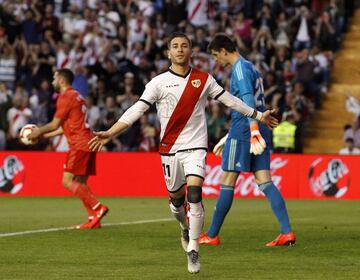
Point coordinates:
pixel 67 182
pixel 194 194
pixel 177 202
pixel 264 186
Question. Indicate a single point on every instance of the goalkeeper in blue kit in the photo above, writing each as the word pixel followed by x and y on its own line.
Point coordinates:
pixel 246 147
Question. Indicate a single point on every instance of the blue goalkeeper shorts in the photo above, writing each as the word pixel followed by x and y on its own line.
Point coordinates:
pixel 236 157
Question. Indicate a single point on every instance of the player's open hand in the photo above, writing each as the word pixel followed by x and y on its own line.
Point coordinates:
pixel 34 135
pixel 257 142
pixel 219 147
pixel 101 138
pixel 268 118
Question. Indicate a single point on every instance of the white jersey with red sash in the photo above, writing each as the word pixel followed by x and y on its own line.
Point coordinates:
pixel 180 102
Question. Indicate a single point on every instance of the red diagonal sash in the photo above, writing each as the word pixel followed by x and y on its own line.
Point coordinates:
pixel 183 109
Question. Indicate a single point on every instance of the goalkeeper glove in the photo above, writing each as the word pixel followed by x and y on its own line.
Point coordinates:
pixel 257 142
pixel 219 147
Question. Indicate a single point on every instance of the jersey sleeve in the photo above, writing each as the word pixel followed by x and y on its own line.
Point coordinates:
pixel 63 107
pixel 214 89
pixel 150 94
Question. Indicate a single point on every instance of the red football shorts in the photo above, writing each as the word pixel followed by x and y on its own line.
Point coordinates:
pixel 81 162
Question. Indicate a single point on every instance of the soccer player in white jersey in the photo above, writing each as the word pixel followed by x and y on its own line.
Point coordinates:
pixel 180 96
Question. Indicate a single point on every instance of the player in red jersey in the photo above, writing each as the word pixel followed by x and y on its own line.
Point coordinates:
pixel 80 162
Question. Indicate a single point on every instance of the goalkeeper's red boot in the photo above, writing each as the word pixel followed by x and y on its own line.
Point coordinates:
pixel 205 239
pixel 87 225
pixel 99 213
pixel 284 239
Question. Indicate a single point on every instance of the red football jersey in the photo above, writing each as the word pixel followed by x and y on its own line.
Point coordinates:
pixel 71 109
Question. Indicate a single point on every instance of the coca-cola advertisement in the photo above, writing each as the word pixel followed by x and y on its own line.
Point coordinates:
pixel 141 174
pixel 245 184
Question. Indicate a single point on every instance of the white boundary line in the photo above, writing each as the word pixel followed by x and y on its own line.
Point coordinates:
pixel 27 232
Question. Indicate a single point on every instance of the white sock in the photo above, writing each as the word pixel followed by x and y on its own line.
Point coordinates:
pixel 196 220
pixel 180 215
pixel 193 245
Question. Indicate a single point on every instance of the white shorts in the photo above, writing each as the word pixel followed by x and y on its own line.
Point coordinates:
pixel 177 167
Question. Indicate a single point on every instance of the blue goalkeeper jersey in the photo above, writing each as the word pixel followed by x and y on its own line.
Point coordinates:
pixel 246 84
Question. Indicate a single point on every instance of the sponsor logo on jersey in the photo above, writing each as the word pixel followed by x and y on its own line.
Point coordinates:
pixel 171 86
pixel 329 178
pixel 12 175
pixel 196 83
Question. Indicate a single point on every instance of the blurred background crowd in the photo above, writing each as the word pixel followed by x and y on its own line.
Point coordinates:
pixel 116 47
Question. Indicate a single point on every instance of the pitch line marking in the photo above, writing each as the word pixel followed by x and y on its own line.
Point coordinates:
pixel 27 232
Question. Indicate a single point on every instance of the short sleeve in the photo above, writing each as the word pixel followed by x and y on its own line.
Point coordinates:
pixel 63 107
pixel 150 94
pixel 214 90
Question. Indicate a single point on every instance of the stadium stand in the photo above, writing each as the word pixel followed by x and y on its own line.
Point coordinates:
pixel 116 47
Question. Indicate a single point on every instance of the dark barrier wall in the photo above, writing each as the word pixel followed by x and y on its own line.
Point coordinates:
pixel 140 174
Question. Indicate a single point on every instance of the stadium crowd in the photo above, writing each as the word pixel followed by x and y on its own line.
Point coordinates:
pixel 115 47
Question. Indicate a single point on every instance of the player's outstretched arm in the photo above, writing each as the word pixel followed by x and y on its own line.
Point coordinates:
pixel 49 127
pixel 268 118
pixel 103 137
pixel 54 133
pixel 127 119
pixel 238 105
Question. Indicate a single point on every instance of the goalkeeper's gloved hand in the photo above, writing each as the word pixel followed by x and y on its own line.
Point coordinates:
pixel 257 142
pixel 219 147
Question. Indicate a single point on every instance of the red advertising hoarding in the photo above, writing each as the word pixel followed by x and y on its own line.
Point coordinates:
pixel 140 174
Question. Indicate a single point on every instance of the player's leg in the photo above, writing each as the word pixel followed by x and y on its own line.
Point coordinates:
pixel 278 206
pixel 175 184
pixel 177 204
pixel 231 162
pixel 93 214
pixel 83 180
pixel 194 166
pixel 196 221
pixel 79 165
pixel 222 207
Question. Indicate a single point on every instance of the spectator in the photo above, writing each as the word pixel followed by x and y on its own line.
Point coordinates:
pixel 216 124
pixel 7 64
pixel 30 26
pixel 93 114
pixel 17 116
pixel 117 46
pixel 149 136
pixel 349 148
pixel 197 12
pixel 285 136
pixel 325 33
pixel 303 26
pixel 5 105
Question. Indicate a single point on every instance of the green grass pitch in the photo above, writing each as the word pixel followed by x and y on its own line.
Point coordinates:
pixel 328 241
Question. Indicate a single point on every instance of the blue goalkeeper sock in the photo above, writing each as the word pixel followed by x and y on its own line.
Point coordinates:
pixel 277 205
pixel 222 207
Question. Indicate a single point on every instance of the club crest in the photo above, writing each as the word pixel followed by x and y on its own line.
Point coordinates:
pixel 196 83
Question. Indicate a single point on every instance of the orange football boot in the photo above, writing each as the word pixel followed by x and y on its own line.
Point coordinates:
pixel 283 239
pixel 87 225
pixel 205 239
pixel 99 213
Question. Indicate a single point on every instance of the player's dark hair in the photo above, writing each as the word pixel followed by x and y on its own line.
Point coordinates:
pixel 67 74
pixel 177 34
pixel 222 41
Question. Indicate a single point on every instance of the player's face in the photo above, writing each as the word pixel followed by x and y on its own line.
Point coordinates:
pixel 55 82
pixel 220 57
pixel 179 51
